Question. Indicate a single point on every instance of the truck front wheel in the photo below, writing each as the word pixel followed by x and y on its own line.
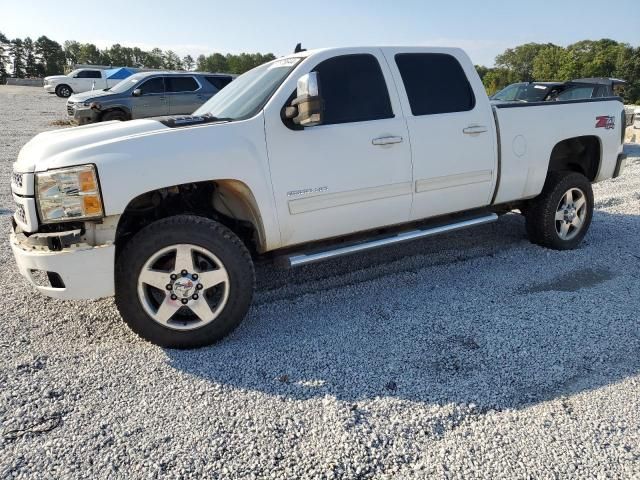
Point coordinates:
pixel 63 91
pixel 560 216
pixel 184 282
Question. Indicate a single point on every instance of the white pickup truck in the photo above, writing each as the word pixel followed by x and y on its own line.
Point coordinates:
pixel 315 155
pixel 80 80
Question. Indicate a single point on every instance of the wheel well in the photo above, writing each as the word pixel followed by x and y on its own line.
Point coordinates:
pixel 578 154
pixel 229 202
pixel 115 109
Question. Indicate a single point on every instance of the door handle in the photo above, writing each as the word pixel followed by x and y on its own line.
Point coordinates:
pixel 386 140
pixel 474 129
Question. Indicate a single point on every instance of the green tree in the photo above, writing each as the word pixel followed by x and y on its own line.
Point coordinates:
pixel 4 43
pixel 16 50
pixel 51 56
pixel 519 60
pixel 497 78
pixel 188 63
pixel 552 63
pixel 171 61
pixel 30 64
pixel 72 52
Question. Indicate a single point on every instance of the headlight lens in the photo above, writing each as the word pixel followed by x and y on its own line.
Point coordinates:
pixel 68 194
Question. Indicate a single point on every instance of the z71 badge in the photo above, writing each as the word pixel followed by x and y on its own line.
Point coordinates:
pixel 606 122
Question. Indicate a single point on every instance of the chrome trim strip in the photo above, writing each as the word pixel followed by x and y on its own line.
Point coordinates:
pixel 330 200
pixel 304 259
pixel 449 181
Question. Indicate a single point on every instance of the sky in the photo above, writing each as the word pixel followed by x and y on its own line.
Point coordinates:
pixel 483 28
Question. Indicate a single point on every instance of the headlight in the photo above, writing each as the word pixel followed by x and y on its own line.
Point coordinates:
pixel 68 194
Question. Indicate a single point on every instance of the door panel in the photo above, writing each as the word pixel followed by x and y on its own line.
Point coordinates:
pixel 452 132
pixel 153 101
pixel 335 179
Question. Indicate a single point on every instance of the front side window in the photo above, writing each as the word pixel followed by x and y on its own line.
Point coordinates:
pixel 353 89
pixel 181 84
pixel 435 83
pixel 153 85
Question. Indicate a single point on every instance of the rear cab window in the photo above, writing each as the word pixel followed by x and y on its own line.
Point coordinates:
pixel 353 89
pixel 89 74
pixel 435 83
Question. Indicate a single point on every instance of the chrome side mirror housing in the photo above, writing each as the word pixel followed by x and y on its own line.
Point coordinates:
pixel 307 108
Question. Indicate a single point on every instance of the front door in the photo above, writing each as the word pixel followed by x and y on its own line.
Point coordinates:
pixel 152 101
pixel 351 173
pixel 453 139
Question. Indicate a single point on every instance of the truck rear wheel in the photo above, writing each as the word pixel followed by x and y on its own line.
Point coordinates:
pixel 63 91
pixel 560 216
pixel 184 282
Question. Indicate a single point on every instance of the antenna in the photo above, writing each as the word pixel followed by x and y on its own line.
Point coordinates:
pixel 299 48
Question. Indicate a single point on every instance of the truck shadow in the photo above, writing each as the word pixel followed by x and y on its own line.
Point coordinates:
pixel 479 317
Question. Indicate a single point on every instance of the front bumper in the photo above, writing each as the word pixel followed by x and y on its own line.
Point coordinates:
pixel 82 115
pixel 75 273
pixel 50 88
pixel 620 165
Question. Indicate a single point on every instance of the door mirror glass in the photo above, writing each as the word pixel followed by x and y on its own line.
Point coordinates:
pixel 306 109
pixel 137 92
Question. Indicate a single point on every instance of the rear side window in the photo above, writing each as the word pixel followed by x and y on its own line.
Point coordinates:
pixel 89 74
pixel 181 84
pixel 353 89
pixel 219 82
pixel 435 83
pixel 153 85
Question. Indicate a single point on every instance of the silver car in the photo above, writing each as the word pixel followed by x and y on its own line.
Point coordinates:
pixel 147 94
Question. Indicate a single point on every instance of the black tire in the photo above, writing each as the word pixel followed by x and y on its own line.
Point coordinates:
pixel 114 115
pixel 542 226
pixel 64 91
pixel 201 232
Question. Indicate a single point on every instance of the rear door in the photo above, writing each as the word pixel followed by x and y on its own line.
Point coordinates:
pixel 152 101
pixel 185 94
pixel 452 130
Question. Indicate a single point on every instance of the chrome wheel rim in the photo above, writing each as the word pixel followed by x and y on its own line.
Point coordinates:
pixel 571 214
pixel 183 287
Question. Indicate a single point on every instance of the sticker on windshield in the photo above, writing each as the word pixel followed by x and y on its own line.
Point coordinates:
pixel 284 62
pixel 541 87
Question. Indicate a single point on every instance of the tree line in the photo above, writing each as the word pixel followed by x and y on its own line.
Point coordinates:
pixel 524 63
pixel 27 58
pixel 548 62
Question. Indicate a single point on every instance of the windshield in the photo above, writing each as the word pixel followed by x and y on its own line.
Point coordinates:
pixel 127 83
pixel 248 93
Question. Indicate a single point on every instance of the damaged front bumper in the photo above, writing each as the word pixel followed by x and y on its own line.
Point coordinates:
pixel 63 265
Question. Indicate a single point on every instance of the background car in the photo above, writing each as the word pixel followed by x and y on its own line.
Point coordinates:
pixel 559 91
pixel 147 94
pixel 85 79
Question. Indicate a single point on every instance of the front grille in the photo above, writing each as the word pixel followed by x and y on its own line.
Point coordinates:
pixel 20 214
pixel 17 179
pixel 70 109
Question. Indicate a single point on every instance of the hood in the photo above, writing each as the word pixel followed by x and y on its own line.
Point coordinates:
pixel 57 77
pixel 47 149
pixel 90 94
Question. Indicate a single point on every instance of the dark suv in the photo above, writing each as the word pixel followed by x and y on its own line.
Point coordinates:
pixel 147 94
pixel 559 91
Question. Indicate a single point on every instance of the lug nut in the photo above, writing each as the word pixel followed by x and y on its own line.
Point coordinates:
pixel 199 286
pixel 169 286
pixel 184 273
pixel 185 301
pixel 174 296
pixel 195 296
pixel 194 276
pixel 173 276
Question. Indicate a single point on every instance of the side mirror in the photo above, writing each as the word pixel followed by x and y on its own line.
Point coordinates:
pixel 137 92
pixel 306 109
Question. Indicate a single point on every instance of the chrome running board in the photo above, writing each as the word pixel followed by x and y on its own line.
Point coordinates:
pixel 297 260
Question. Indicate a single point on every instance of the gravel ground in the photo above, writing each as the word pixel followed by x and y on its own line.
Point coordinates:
pixel 470 355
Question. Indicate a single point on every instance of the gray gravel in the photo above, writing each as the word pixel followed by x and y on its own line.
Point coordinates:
pixel 471 355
